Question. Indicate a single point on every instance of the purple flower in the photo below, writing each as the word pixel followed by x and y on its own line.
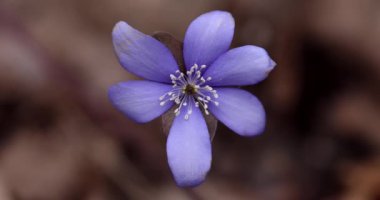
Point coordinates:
pixel 204 87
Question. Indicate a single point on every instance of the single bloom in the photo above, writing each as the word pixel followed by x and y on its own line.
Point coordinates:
pixel 204 88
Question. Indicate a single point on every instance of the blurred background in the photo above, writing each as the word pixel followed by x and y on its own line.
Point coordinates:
pixel 60 138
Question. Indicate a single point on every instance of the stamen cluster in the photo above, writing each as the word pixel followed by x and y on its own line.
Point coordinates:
pixel 190 90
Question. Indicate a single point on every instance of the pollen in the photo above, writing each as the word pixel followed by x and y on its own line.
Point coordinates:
pixel 190 90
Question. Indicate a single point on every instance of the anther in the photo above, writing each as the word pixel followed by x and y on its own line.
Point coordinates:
pixel 177 101
pixel 198 74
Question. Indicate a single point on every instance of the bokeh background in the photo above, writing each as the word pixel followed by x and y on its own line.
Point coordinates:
pixel 60 138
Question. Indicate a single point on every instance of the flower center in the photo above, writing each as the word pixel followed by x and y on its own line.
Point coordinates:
pixel 190 90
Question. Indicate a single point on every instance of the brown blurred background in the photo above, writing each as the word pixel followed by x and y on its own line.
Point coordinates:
pixel 60 138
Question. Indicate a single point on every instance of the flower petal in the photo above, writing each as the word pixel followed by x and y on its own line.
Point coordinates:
pixel 139 100
pixel 189 149
pixel 207 37
pixel 142 55
pixel 240 111
pixel 240 66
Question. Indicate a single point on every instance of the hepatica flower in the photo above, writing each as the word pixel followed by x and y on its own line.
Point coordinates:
pixel 203 89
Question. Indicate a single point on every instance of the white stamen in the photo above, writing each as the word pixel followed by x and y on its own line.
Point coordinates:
pixel 198 74
pixel 189 90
